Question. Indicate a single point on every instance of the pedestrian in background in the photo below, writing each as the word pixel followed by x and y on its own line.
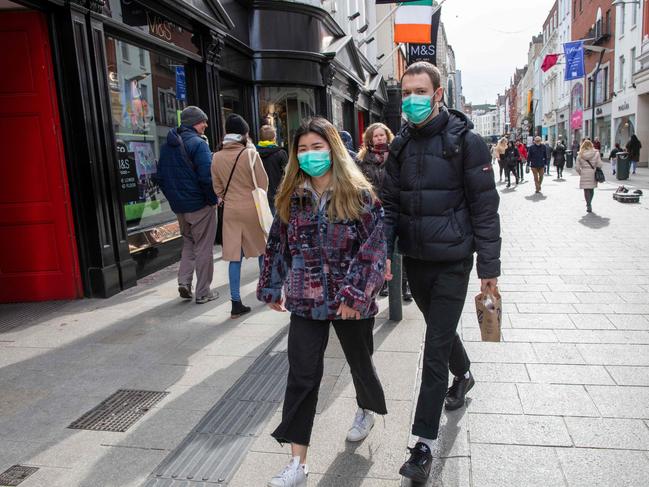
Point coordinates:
pixel 499 152
pixel 184 178
pixel 441 203
pixel 613 157
pixel 326 252
pixel 348 140
pixel 597 145
pixel 274 159
pixel 538 159
pixel 512 158
pixel 548 152
pixel 522 150
pixel 232 169
pixel 633 148
pixel 587 161
pixel 371 160
pixel 559 157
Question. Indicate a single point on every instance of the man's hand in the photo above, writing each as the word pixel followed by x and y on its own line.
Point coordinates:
pixel 278 306
pixel 388 270
pixel 489 286
pixel 347 313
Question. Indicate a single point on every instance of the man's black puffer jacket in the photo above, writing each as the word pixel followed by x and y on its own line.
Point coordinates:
pixel 440 196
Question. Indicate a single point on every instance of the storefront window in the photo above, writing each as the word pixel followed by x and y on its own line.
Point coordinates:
pixel 624 129
pixel 232 98
pixel 146 98
pixel 132 13
pixel 284 109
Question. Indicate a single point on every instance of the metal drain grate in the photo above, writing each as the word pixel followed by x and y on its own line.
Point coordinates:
pixel 15 475
pixel 119 412
pixel 15 315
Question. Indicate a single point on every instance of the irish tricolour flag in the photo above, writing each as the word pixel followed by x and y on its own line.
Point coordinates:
pixel 412 22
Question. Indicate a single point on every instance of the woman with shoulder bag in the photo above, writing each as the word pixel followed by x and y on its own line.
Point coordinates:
pixel 232 177
pixel 588 161
pixel 325 263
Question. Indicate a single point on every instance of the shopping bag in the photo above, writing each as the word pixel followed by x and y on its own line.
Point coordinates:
pixel 260 197
pixel 489 310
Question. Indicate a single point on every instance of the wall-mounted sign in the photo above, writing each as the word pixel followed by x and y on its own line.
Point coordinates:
pixel 426 52
pixel 599 111
pixel 128 188
pixel 624 106
pixel 181 84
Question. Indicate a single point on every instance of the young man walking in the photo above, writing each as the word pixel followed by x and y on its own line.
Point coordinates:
pixel 186 181
pixel 538 158
pixel 440 199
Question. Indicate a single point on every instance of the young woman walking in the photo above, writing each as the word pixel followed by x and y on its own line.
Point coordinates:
pixel 587 161
pixel 499 154
pixel 325 263
pixel 512 157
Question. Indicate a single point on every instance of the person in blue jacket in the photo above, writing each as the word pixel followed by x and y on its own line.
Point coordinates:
pixel 185 179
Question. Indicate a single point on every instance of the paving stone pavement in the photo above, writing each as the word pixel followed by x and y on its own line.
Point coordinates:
pixel 562 401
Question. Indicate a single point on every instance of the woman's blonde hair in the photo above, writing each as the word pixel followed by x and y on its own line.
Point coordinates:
pixel 585 145
pixel 369 134
pixel 348 182
pixel 501 147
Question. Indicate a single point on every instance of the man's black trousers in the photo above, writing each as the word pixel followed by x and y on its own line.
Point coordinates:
pixel 439 289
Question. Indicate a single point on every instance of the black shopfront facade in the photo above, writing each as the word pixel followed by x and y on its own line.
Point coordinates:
pixel 125 69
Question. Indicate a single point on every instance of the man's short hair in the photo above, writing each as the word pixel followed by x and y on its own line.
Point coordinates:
pixel 537 139
pixel 423 67
pixel 266 132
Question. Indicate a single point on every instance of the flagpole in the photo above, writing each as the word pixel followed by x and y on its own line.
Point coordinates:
pixel 368 36
pixel 390 55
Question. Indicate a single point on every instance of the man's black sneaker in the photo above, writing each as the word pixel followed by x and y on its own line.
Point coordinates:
pixel 417 467
pixel 384 290
pixel 407 295
pixel 238 309
pixel 456 394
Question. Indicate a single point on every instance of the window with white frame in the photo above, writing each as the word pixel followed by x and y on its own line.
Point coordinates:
pixel 621 73
pixel 632 60
pixel 622 19
pixel 635 14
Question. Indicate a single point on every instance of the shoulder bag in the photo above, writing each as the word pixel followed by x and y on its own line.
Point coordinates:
pixel 599 174
pixel 219 210
pixel 260 197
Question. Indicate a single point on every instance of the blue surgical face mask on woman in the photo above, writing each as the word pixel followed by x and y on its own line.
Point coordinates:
pixel 315 162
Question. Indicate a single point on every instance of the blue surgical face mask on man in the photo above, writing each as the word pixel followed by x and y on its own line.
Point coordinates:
pixel 417 108
pixel 315 162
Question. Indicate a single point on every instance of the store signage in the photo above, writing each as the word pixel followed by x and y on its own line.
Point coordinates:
pixel 128 190
pixel 181 84
pixel 624 106
pixel 159 27
pixel 426 52
pixel 599 111
pixel 574 60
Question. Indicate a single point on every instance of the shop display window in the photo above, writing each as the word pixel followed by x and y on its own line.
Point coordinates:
pixel 284 109
pixel 147 91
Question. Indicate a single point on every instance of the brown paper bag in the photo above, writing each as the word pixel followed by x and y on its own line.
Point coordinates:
pixel 489 313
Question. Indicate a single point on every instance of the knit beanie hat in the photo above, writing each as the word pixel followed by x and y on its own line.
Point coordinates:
pixel 192 115
pixel 235 124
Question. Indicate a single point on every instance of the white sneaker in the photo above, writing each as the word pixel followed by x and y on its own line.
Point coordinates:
pixel 363 423
pixel 293 475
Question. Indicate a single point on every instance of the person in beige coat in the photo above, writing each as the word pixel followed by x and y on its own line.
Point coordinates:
pixel 587 161
pixel 242 233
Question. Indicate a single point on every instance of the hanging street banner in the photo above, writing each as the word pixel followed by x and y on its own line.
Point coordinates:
pixel 574 60
pixel 412 22
pixel 426 52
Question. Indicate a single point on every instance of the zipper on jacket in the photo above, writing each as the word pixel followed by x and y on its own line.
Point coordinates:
pixel 420 162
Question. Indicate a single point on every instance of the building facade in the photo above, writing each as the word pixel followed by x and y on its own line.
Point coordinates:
pixel 101 82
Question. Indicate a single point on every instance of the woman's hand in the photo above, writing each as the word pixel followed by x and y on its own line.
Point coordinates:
pixel 278 306
pixel 388 270
pixel 347 313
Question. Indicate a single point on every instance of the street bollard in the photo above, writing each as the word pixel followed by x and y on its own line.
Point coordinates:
pixel 394 289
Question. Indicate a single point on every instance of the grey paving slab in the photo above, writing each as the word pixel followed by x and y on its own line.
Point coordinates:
pixel 621 402
pixel 529 335
pixel 638 337
pixel 500 352
pixel 561 297
pixel 518 430
pixel 569 374
pixel 607 433
pixel 493 372
pixel 629 322
pixel 554 321
pixel 559 400
pixel 591 321
pixel 557 353
pixel 604 468
pixel 547 308
pixel 615 354
pixel 629 376
pixel 494 397
pixel 505 465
